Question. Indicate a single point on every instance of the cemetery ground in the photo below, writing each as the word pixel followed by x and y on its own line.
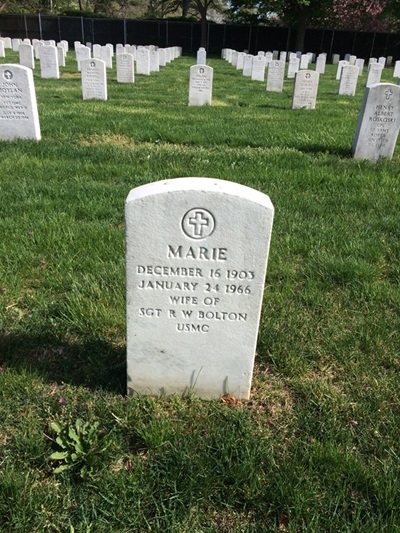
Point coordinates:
pixel 317 446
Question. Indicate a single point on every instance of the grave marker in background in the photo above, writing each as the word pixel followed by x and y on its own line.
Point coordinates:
pixel 378 123
pixel 125 68
pixel 275 75
pixel 194 296
pixel 200 85
pixel 49 62
pixel 305 89
pixel 19 117
pixel 94 79
pixel 348 80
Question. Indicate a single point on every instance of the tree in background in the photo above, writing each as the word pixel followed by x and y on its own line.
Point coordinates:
pixel 361 15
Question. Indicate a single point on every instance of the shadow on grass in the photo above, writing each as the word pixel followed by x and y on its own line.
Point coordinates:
pixel 323 149
pixel 94 364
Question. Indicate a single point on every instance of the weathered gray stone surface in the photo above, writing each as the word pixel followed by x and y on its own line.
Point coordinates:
pixel 19 117
pixel 194 295
pixel 378 123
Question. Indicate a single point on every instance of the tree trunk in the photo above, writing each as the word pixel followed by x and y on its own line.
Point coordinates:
pixel 185 8
pixel 301 25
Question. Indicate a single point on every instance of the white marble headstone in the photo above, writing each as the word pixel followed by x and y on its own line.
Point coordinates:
pixel 248 65
pixel 305 89
pixel 49 62
pixel 26 56
pixel 94 79
pixel 275 75
pixel 258 69
pixel 194 296
pixel 374 74
pixel 378 122
pixel 201 56
pixel 19 117
pixel 125 68
pixel 200 85
pixel 348 80
pixel 143 61
pixel 293 67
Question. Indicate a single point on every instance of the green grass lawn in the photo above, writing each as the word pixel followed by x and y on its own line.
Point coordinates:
pixel 317 447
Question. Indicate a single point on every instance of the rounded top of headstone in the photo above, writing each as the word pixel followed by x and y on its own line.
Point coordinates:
pixel 212 185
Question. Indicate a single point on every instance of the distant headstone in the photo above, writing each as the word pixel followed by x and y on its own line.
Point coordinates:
pixel 382 61
pixel 94 79
pixel 107 55
pixel 258 69
pixel 305 59
pixel 320 64
pixel 341 64
pixel 275 55
pixel 293 67
pixel 81 53
pixel 352 60
pixel 374 74
pixel 240 60
pixel 372 60
pixel 305 89
pixel 335 59
pixel 2 49
pixel 154 61
pixel 248 65
pixel 378 122
pixel 61 55
pixel 389 61
pixel 360 64
pixel 161 57
pixel 96 51
pixel 234 58
pixel 19 117
pixel 36 49
pixel 194 296
pixel 49 62
pixel 269 56
pixel 201 56
pixel 396 71
pixel 143 62
pixel 26 57
pixel 275 75
pixel 347 57
pixel 15 44
pixel 200 85
pixel 348 80
pixel 125 68
pixel 282 56
pixel 7 43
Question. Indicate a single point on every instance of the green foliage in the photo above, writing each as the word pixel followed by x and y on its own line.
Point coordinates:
pixel 79 447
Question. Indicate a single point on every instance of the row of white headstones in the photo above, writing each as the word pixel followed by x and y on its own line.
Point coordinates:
pixel 378 124
pixel 377 129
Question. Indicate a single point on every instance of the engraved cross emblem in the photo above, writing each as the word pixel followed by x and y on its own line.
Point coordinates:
pixel 8 75
pixel 388 94
pixel 198 223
